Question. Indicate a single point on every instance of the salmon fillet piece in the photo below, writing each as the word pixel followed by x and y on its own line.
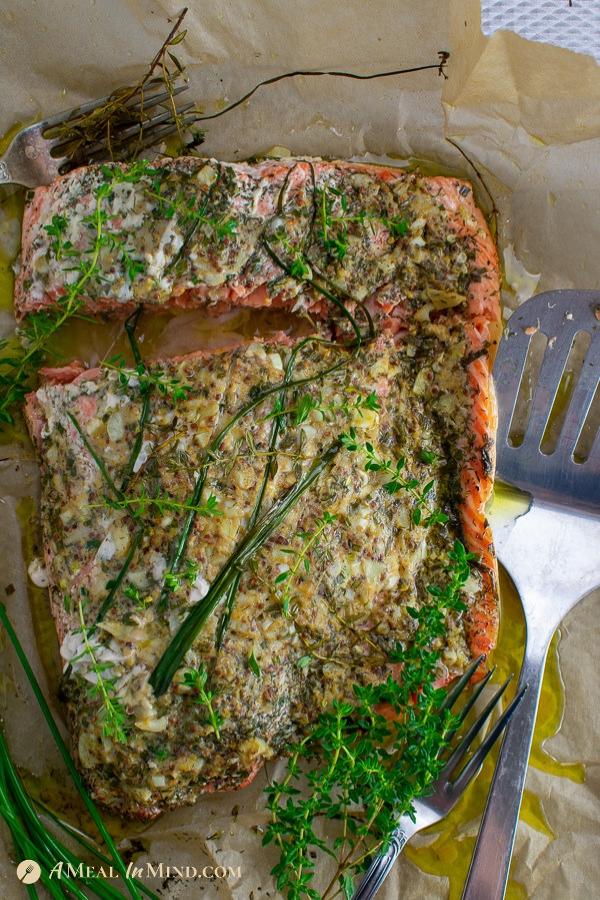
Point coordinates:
pixel 432 284
pixel 191 232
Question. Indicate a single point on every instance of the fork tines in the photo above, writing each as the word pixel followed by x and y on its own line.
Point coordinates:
pixel 476 761
pixel 135 126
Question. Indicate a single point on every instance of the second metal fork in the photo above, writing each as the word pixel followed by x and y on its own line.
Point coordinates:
pixel 449 786
pixel 36 155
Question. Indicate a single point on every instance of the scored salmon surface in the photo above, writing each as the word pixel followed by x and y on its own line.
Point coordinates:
pixel 416 252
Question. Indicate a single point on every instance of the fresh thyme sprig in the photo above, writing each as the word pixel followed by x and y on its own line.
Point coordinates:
pixel 363 768
pixel 188 575
pixel 307 403
pixel 148 379
pixel 284 582
pixel 334 227
pixel 113 715
pixel 396 480
pixel 142 503
pixel 196 680
pixel 33 840
pixel 19 362
pixel 59 246
pixel 114 584
pixel 298 266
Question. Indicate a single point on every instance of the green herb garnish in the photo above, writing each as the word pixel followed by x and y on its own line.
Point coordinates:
pixel 254 666
pixel 30 838
pixel 125 108
pixel 112 716
pixel 364 768
pixel 284 582
pixel 396 479
pixel 335 223
pixel 196 680
pixel 254 539
pixel 260 395
pixel 147 379
pixel 307 403
pixel 276 428
pixel 21 358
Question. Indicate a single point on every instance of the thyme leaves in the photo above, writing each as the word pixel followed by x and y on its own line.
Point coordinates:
pixel 142 503
pixel 335 221
pixel 254 666
pixel 397 480
pixel 22 357
pixel 113 716
pixel 365 761
pixel 284 582
pixel 196 681
pixel 438 66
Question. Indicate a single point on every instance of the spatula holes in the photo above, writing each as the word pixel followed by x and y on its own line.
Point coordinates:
pixel 564 392
pixel 529 379
pixel 589 431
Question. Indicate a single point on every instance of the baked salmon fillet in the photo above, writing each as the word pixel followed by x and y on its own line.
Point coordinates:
pixel 192 232
pixel 326 598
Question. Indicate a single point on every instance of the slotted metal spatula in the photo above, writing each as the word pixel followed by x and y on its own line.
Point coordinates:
pixel 552 552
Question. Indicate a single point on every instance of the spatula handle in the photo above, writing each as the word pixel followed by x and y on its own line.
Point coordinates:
pixel 490 864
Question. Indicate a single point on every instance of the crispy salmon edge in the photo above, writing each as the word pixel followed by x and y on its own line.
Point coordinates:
pixel 484 329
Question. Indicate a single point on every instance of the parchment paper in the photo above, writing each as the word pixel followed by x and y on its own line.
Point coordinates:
pixel 529 117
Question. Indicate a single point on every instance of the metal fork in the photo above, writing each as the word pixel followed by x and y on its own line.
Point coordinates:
pixel 35 157
pixel 446 790
pixel 552 553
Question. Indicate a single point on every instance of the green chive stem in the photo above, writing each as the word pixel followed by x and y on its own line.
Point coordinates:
pixel 254 539
pixel 64 752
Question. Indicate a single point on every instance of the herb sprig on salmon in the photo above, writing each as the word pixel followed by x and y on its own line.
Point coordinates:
pixel 229 621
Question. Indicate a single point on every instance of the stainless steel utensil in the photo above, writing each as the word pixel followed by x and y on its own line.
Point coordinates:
pixel 445 792
pixel 35 157
pixel 552 552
